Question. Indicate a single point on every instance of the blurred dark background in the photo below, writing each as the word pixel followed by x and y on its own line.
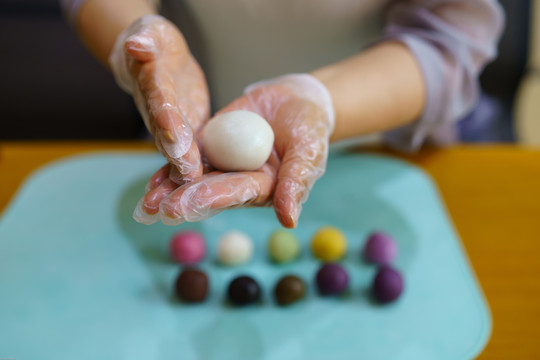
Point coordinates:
pixel 53 89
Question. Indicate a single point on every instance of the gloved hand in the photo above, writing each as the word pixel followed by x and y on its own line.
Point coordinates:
pixel 152 61
pixel 299 109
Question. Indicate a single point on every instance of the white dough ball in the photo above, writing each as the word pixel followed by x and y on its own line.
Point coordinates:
pixel 238 141
pixel 234 248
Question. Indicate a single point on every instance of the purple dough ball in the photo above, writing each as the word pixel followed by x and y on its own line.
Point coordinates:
pixel 332 279
pixel 387 285
pixel 380 248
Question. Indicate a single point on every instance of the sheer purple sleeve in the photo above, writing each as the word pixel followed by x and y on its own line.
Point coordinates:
pixel 452 40
pixel 71 9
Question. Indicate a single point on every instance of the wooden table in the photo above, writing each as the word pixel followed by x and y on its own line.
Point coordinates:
pixel 492 194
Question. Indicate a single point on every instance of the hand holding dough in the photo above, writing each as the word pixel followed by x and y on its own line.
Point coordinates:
pixel 299 109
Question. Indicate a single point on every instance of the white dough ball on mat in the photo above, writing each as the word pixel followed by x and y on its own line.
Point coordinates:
pixel 234 248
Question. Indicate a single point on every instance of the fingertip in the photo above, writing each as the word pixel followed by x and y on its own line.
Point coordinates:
pixel 150 203
pixel 287 212
pixel 141 47
pixel 141 216
pixel 158 178
pixel 169 215
pixel 173 135
pixel 168 135
pixel 286 222
pixel 171 221
pixel 188 168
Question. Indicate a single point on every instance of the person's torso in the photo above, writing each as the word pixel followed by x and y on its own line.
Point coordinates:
pixel 242 41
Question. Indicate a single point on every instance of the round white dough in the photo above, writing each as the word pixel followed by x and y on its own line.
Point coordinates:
pixel 234 248
pixel 239 140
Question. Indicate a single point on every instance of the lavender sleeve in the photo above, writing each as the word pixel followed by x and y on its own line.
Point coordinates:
pixel 71 9
pixel 452 40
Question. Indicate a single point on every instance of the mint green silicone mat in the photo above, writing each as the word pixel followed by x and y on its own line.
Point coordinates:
pixel 79 279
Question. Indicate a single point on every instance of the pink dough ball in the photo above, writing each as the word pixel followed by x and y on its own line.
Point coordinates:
pixel 380 248
pixel 187 247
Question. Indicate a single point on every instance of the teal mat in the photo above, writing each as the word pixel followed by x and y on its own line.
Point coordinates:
pixel 79 279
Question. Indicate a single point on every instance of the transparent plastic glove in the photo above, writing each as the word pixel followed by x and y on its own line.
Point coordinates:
pixel 299 109
pixel 152 61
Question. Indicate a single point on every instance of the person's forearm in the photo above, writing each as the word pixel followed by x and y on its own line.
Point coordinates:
pixel 100 21
pixel 379 89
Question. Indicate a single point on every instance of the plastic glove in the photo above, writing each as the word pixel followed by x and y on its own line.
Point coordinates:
pixel 152 61
pixel 299 109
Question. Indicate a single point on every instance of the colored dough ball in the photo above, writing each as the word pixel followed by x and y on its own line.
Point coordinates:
pixel 243 290
pixel 332 279
pixel 289 289
pixel 237 141
pixel 234 248
pixel 380 248
pixel 387 285
pixel 192 285
pixel 329 244
pixel 283 246
pixel 187 247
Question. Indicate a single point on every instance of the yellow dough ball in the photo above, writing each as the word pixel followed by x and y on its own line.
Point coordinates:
pixel 329 244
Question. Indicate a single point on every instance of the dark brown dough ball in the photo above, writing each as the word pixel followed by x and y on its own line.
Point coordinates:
pixel 289 290
pixel 192 285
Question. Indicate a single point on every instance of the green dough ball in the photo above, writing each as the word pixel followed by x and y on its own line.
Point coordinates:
pixel 283 246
